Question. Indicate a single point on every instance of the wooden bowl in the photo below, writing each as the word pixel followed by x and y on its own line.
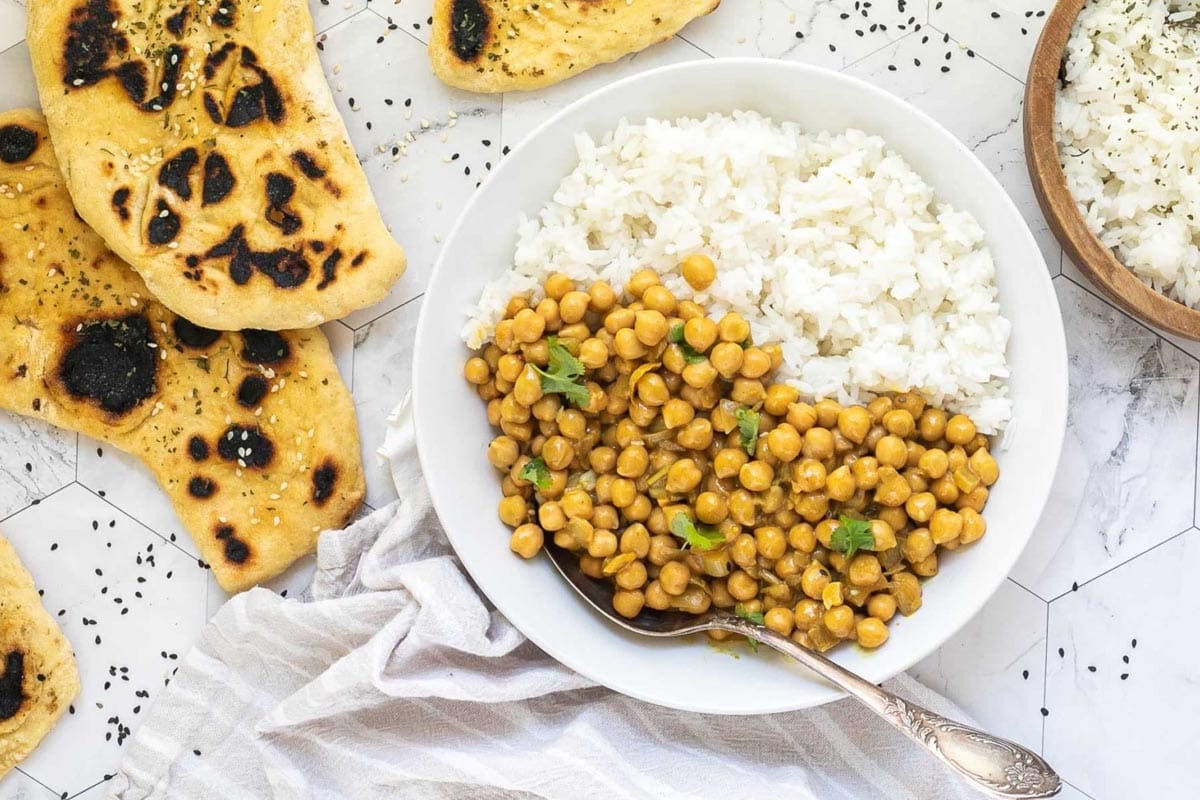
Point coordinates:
pixel 1050 185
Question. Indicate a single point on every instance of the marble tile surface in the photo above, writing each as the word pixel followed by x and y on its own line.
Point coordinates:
pixel 1112 560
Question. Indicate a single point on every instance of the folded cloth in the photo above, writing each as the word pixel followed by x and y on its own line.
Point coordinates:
pixel 391 677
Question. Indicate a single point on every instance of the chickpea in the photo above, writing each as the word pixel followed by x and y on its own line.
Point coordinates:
pixel 755 363
pixel 602 459
pixel 956 458
pixel 818 444
pixel 866 472
pixel 640 282
pixel 557 452
pixel 624 492
pixel 890 451
pixel 741 586
pixel 973 525
pixel 747 392
pixel 659 298
pixel 871 632
pixel 619 319
pixel 801 416
pixel 493 412
pixel 711 508
pixel 920 507
pixel 784 442
pixel 663 548
pixel 652 390
pixel 631 576
pixel 975 500
pixel 513 511
pixel 884 535
pixel 698 270
pixel 899 422
pixel 729 462
pixel 521 431
pixel 700 333
pixel 779 398
pixel 878 407
pixel 572 306
pixel 726 359
pixel 854 423
pixel 808 475
pixel 683 476
pixel 635 539
pixel 944 490
pixel 893 491
pixel 807 613
pixel 528 326
pixel 694 600
pixel 504 337
pixel 918 545
pixel 577 504
pixel 814 580
pixel 828 412
pixel 770 542
pixel 839 620
pixel 503 452
pixel 627 345
pixel 551 516
pixel 744 550
pixel 699 375
pixel 780 620
pixel 476 371
pixel 650 327
pixel 932 424
pixel 926 568
pixel 733 328
pixel 840 485
pixel 655 597
pixel 959 429
pixel 601 297
pixel 864 570
pixel 802 537
pixel 528 387
pixel 674 578
pixel 742 508
pixel 934 463
pixel 945 525
pixel 628 603
pixel 593 353
pixel 983 465
pixel 526 541
pixel 696 435
pixel 640 412
pixel 882 606
pixel 756 476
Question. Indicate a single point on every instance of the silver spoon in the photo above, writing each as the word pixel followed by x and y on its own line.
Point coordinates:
pixel 997 767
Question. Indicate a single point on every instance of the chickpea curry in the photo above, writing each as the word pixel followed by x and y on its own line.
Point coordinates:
pixel 650 440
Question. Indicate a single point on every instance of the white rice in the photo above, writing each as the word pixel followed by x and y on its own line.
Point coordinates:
pixel 826 243
pixel 1128 128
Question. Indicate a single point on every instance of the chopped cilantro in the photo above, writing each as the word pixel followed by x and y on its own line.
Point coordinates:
pixel 753 616
pixel 747 421
pixel 690 354
pixel 698 537
pixel 537 473
pixel 563 374
pixel 852 535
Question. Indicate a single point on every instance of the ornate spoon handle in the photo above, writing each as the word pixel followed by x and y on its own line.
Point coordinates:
pixel 996 766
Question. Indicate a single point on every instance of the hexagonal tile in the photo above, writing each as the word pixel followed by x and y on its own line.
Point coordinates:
pixel 129 602
pixel 16 785
pixel 38 459
pixel 1127 474
pixel 411 18
pixel 424 146
pixel 18 89
pixel 12 23
pixel 383 354
pixel 995 666
pixel 1124 713
pixel 832 34
pixel 327 13
pixel 1002 31
pixel 341 343
pixel 524 111
pixel 937 76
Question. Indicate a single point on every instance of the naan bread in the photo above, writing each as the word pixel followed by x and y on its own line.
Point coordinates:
pixel 251 434
pixel 497 45
pixel 200 140
pixel 38 678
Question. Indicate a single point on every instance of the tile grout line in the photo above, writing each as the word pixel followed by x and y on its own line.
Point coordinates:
pixel 39 783
pixel 1076 788
pixel 1151 549
pixel 978 54
pixel 1045 681
pixel 894 43
pixel 126 514
pixel 1130 317
pixel 37 501
pixel 373 320
pixel 399 27
pixel 681 37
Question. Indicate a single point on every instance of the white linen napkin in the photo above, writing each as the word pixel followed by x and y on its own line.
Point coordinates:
pixel 393 678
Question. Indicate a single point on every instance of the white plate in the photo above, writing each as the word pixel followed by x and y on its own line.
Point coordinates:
pixel 452 431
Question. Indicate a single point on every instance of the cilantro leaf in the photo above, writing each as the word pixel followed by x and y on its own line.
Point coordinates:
pixel 753 616
pixel 698 537
pixel 563 374
pixel 537 473
pixel 747 421
pixel 690 354
pixel 852 535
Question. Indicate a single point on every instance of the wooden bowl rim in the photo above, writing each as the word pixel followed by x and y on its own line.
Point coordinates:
pixel 1058 204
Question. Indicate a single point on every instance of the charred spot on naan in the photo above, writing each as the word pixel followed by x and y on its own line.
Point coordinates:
pixel 192 335
pixel 265 347
pixel 176 172
pixel 470 25
pixel 111 362
pixel 218 179
pixel 197 449
pixel 280 189
pixel 251 390
pixel 17 143
pixel 236 551
pixel 201 488
pixel 324 479
pixel 120 199
pixel 254 95
pixel 12 684
pixel 164 224
pixel 249 447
